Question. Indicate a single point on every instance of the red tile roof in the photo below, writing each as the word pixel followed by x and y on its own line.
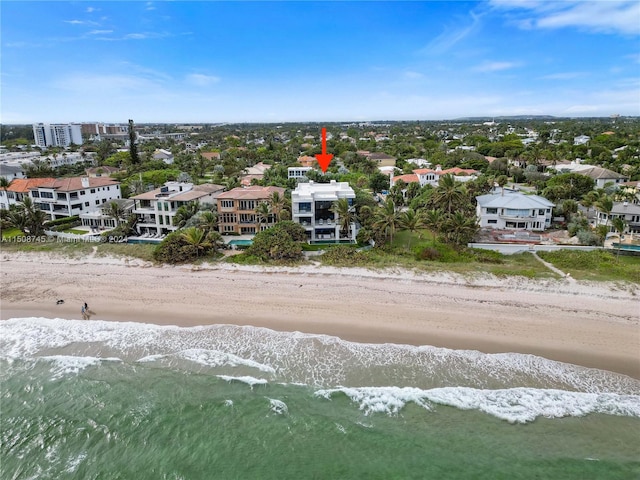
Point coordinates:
pixel 411 178
pixel 23 185
pixel 254 192
pixel 75 183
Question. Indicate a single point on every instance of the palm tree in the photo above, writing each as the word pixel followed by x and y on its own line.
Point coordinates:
pixel 502 180
pixel 433 219
pixel 208 221
pixel 346 215
pixel 605 205
pixel 569 208
pixel 278 203
pixel 33 218
pixel 263 211
pixel 386 219
pixel 115 211
pixel 448 194
pixel 411 221
pixel 461 228
pixel 619 225
pixel 196 237
pixel 184 213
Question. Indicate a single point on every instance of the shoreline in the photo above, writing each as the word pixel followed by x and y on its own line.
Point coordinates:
pixel 592 325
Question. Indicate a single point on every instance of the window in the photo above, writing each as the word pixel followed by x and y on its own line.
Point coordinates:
pixel 541 211
pixel 247 205
pixel 93 190
pixel 34 194
pixel 248 230
pixel 104 200
pixel 62 196
pixel 304 207
pixel 227 203
pixel 97 202
pixel 77 205
pixel 86 204
pixel 82 192
pixel 229 218
pixel 73 196
pixel 492 221
pixel 518 212
pixel 492 211
pixel 228 228
pixel 247 218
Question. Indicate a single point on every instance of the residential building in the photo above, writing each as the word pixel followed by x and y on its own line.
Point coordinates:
pixel 65 197
pixel 311 205
pixel 165 155
pixel 629 212
pixel 102 171
pixel 19 189
pixel 299 173
pixel 602 176
pixel 427 176
pixel 514 211
pixel 237 209
pixel 307 161
pixel 99 218
pixel 11 171
pixel 157 208
pixel 581 140
pixel 57 135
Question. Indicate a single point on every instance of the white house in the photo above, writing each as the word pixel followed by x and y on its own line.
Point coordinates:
pixel 629 212
pixel 298 173
pixel 581 139
pixel 65 197
pixel 165 155
pixel 311 205
pixel 514 211
pixel 156 209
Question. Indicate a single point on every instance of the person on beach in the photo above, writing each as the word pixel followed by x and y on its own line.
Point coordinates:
pixel 84 312
pixel 86 307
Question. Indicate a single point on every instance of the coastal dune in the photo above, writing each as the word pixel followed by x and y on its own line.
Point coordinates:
pixel 590 324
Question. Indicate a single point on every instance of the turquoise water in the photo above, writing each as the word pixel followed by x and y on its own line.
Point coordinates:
pixel 133 401
pixel 244 243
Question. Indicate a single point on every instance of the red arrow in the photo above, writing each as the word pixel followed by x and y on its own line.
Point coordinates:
pixel 324 159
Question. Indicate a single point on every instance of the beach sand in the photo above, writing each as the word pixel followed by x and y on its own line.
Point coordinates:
pixel 590 324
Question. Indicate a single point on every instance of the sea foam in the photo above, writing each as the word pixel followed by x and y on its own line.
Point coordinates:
pixel 516 405
pixel 66 364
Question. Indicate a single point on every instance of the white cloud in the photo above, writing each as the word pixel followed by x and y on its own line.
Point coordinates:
pixel 200 80
pixel 136 36
pixel 150 6
pixel 563 76
pixel 91 9
pixel 616 16
pixel 495 66
pixel 413 75
pixel 452 36
pixel 100 32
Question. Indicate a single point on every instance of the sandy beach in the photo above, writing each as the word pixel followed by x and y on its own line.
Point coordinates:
pixel 590 324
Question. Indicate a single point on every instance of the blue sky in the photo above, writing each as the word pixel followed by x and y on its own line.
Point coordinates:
pixel 200 61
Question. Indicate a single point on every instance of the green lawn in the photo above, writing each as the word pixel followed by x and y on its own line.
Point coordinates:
pixel 597 265
pixel 11 233
pixel 73 230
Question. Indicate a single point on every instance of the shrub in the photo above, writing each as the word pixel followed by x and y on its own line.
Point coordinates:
pixel 428 253
pixel 343 255
pixel 277 243
pixel 486 256
pixel 176 249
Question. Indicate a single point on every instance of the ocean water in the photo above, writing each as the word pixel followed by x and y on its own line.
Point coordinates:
pixel 108 400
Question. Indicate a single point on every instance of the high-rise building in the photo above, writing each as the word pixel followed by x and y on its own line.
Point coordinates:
pixel 57 135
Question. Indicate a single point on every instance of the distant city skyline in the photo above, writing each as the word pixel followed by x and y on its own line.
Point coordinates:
pixel 214 62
